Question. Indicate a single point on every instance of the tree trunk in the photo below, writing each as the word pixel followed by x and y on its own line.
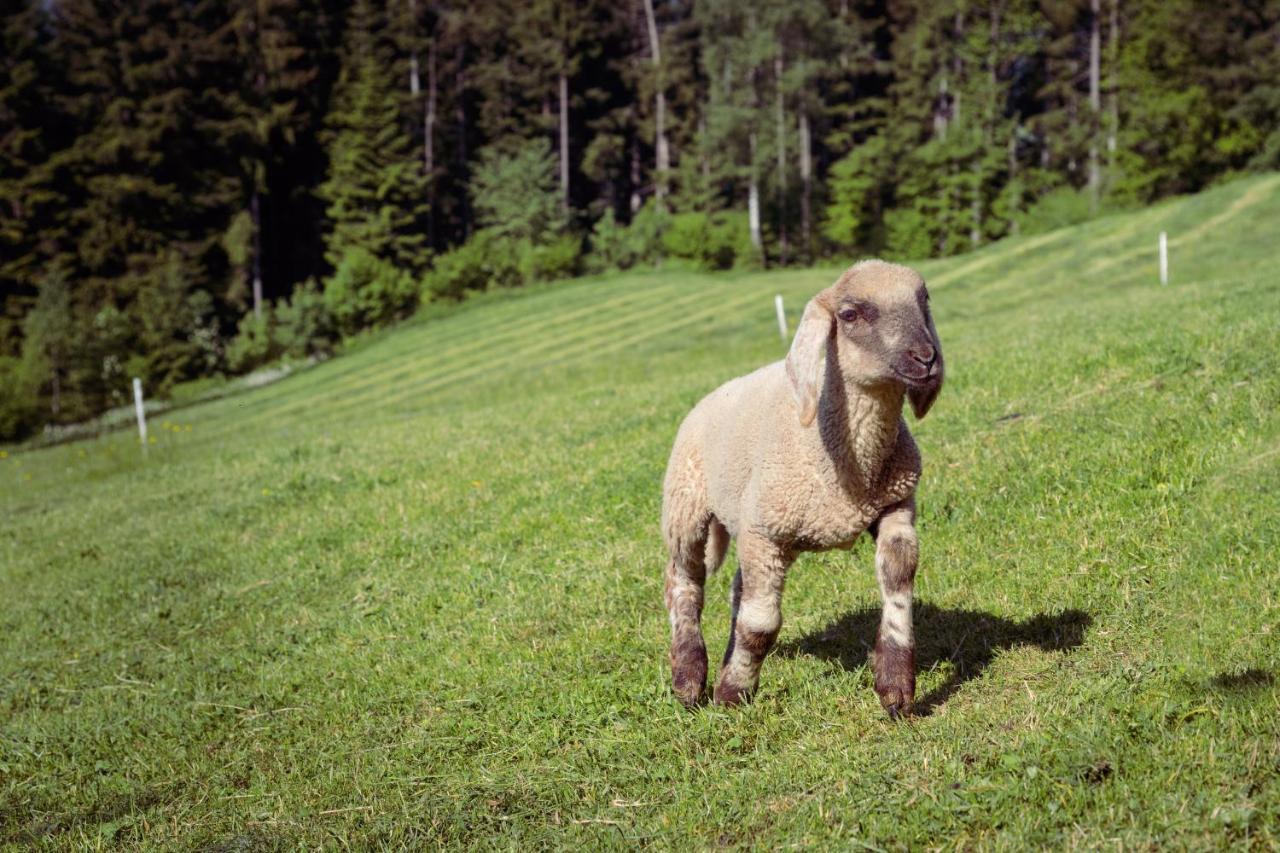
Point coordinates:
pixel 780 124
pixel 1113 60
pixel 564 140
pixel 753 202
pixel 637 200
pixel 1095 101
pixel 942 109
pixel 1015 204
pixel 460 116
pixel 958 69
pixel 256 216
pixel 429 143
pixel 414 83
pixel 844 50
pixel 806 188
pixel 661 152
pixel 975 206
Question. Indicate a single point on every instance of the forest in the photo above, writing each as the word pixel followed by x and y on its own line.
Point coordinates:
pixel 194 188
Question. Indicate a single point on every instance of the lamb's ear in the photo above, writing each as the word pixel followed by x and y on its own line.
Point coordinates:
pixel 804 359
pixel 922 398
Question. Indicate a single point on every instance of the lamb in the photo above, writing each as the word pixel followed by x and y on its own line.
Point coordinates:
pixel 805 455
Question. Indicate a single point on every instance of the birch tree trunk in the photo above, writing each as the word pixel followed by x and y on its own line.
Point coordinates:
pixel 429 134
pixel 1113 60
pixel 753 201
pixel 1095 101
pixel 256 217
pixel 806 187
pixel 564 140
pixel 414 83
pixel 661 152
pixel 780 124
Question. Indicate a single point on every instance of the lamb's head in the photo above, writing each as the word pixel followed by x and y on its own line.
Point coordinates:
pixel 877 318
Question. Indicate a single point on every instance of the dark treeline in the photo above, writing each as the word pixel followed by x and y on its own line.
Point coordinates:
pixel 194 187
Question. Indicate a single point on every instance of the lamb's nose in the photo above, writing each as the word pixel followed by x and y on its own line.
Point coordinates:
pixel 924 353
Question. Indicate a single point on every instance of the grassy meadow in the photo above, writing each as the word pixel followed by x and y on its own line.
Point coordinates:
pixel 412 597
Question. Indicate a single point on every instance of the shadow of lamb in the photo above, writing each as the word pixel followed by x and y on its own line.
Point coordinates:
pixel 969 639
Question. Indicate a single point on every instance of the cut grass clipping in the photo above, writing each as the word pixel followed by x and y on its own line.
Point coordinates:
pixel 413 596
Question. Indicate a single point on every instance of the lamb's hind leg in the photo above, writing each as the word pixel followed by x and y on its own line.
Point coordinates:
pixel 686 531
pixel 897 554
pixel 757 616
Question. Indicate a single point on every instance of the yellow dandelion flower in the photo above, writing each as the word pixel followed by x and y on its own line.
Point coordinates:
pixel 4 454
pixel 151 439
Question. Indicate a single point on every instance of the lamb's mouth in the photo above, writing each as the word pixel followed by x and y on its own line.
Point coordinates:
pixel 926 381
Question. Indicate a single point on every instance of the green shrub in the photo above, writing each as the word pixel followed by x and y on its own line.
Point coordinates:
pixel 907 233
pixel 20 400
pixel 366 291
pixel 253 344
pixel 1058 208
pixel 619 247
pixel 553 260
pixel 716 241
pixel 516 191
pixel 304 326
pixel 491 260
pixel 470 266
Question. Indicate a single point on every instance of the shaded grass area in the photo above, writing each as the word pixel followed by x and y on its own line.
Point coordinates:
pixel 413 596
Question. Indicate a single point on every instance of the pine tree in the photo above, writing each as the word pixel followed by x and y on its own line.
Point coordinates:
pixel 27 135
pixel 375 190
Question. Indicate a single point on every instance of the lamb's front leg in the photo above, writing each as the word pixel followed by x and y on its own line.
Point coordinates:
pixel 757 616
pixel 897 554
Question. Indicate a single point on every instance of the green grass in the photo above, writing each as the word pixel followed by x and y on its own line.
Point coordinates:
pixel 412 597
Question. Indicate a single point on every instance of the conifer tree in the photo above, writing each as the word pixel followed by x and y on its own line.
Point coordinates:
pixel 375 190
pixel 26 137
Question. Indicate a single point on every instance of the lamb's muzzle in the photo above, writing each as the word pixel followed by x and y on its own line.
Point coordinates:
pixel 805 455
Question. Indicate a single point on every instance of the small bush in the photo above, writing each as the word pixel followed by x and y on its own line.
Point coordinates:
pixel 304 326
pixel 253 344
pixel 470 266
pixel 550 261
pixel 716 241
pixel 20 402
pixel 491 260
pixel 908 233
pixel 1056 209
pixel 619 247
pixel 366 291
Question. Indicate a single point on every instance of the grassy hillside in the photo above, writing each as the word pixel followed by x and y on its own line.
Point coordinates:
pixel 413 596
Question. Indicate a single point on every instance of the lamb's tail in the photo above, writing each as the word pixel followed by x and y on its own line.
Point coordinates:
pixel 717 544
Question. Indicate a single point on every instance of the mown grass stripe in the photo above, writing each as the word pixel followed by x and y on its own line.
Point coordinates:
pixel 589 338
pixel 358 386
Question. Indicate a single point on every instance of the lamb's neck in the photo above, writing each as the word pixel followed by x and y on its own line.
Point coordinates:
pixel 866 430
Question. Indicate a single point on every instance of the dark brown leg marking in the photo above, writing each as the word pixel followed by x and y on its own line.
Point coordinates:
pixel 895 668
pixel 756 644
pixel 895 658
pixel 689 669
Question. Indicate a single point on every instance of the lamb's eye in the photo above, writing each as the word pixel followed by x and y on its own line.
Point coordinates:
pixel 848 315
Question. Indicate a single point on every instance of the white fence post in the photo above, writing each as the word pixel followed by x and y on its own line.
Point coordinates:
pixel 1164 258
pixel 142 415
pixel 782 317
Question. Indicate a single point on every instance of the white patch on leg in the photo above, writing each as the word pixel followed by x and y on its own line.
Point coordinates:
pixel 895 621
pixel 759 616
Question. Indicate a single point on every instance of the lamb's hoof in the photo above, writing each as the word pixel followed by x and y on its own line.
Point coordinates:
pixel 730 695
pixel 689 672
pixel 895 704
pixel 895 678
pixel 689 693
